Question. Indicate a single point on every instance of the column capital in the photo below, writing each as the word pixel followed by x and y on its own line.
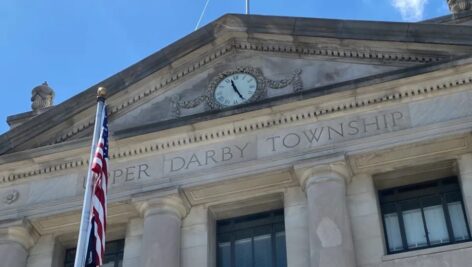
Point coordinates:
pixel 309 173
pixel 174 204
pixel 19 231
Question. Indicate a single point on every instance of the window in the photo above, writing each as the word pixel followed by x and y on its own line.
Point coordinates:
pixel 113 254
pixel 423 215
pixel 252 241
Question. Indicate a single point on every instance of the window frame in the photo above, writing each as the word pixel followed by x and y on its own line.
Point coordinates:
pixel 250 226
pixel 120 252
pixel 441 189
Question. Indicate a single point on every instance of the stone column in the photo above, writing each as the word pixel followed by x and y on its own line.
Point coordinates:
pixel 366 220
pixel 465 175
pixel 16 238
pixel 296 228
pixel 329 225
pixel 133 243
pixel 196 242
pixel 162 231
pixel 47 252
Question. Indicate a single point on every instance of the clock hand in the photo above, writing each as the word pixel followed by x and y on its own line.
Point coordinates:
pixel 236 89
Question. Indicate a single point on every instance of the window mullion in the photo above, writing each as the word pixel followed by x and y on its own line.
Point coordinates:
pixel 253 249
pixel 424 223
pixel 465 216
pixel 274 245
pixel 402 226
pixel 452 239
pixel 233 250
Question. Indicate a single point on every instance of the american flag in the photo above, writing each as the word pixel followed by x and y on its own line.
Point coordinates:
pixel 96 246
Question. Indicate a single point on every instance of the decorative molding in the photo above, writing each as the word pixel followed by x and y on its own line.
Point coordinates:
pixel 252 126
pixel 10 197
pixel 243 45
pixel 20 231
pixel 174 204
pixel 263 84
pixel 313 172
pixel 242 187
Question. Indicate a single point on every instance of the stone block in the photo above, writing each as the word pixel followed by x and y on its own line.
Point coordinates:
pixel 195 235
pixel 195 257
pixel 438 109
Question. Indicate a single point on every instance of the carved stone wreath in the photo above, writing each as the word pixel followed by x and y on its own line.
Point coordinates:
pixel 263 84
pixel 10 197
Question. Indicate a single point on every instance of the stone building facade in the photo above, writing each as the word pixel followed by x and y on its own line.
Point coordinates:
pixel 262 141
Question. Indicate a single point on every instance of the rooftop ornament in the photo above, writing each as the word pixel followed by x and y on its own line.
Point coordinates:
pixel 457 6
pixel 42 96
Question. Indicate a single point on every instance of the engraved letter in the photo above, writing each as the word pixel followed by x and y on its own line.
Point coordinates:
pixel 340 132
pixel 296 140
pixel 395 117
pixel 117 174
pixel 193 159
pixel 172 164
pixel 210 154
pixel 226 154
pixel 142 168
pixel 313 135
pixel 351 125
pixel 129 174
pixel 273 141
pixel 241 149
pixel 366 124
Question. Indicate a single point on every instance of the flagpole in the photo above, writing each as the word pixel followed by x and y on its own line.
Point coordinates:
pixel 82 242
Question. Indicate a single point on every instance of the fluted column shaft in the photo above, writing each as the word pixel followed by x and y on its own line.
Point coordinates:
pixel 330 236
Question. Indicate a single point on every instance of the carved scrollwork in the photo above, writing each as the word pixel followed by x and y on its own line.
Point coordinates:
pixel 263 84
pixel 295 80
pixel 177 104
pixel 10 197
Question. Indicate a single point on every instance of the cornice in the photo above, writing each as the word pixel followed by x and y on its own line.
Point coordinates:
pixel 256 45
pixel 307 113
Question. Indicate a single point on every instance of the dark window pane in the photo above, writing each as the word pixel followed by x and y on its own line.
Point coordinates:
pixel 224 252
pixel 422 215
pixel 243 252
pixel 392 229
pixel 251 241
pixel 280 248
pixel 414 228
pixel 458 223
pixel 113 254
pixel 436 224
pixel 263 251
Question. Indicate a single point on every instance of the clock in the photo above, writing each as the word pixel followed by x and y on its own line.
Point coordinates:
pixel 235 89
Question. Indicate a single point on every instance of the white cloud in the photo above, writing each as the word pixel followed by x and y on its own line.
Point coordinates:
pixel 411 10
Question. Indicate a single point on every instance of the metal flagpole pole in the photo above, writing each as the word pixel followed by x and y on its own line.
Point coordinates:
pixel 247 7
pixel 82 242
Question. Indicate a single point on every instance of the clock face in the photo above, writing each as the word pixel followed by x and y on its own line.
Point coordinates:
pixel 235 89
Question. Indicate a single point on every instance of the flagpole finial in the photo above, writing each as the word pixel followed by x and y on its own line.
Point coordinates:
pixel 101 92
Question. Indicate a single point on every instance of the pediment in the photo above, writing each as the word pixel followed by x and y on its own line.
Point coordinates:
pixel 290 56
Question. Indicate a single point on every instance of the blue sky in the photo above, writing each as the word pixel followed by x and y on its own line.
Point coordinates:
pixel 75 44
